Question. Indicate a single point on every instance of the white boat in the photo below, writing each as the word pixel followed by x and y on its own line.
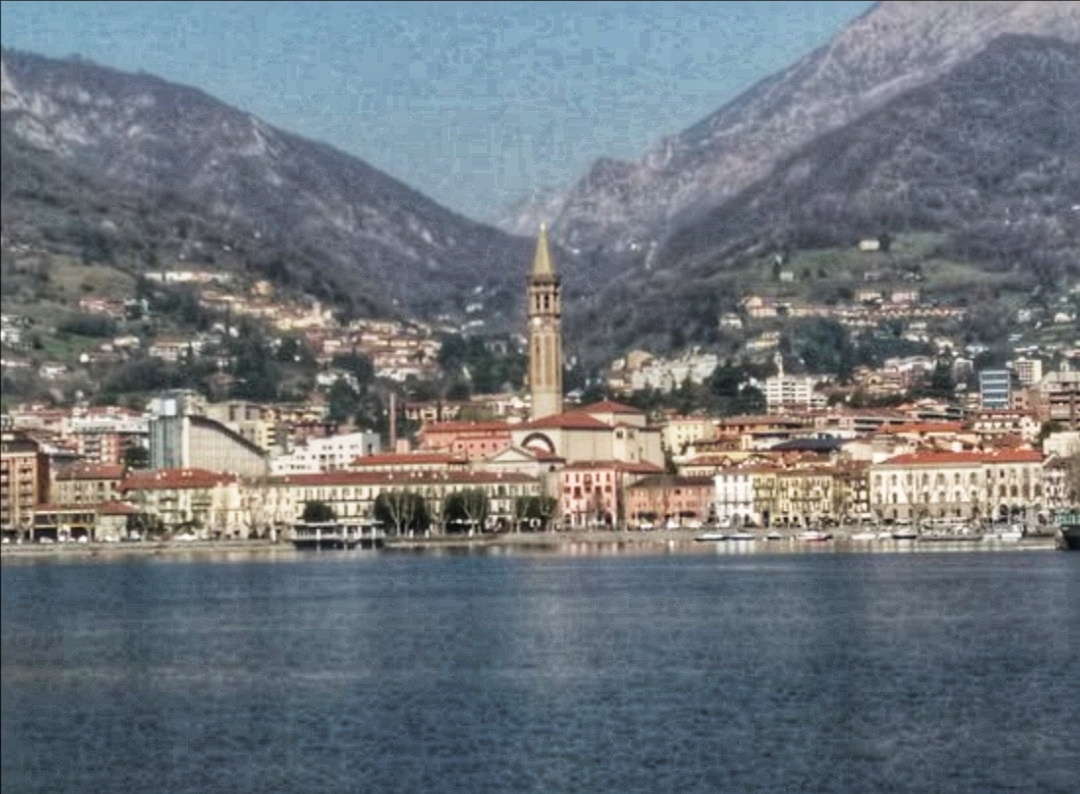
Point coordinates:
pixel 863 537
pixel 1011 535
pixel 773 536
pixel 813 536
pixel 742 536
pixel 711 536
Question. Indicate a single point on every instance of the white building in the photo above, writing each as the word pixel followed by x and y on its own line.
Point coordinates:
pixel 736 502
pixel 957 485
pixel 792 391
pixel 333 453
pixel 1029 371
pixel 667 375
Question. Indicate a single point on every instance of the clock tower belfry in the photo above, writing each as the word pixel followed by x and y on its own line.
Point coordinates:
pixel 544 301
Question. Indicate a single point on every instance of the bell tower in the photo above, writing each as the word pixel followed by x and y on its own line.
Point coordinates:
pixel 544 303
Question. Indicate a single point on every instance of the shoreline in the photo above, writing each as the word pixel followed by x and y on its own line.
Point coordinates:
pixel 620 539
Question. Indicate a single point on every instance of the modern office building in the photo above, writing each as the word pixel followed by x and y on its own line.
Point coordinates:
pixel 995 389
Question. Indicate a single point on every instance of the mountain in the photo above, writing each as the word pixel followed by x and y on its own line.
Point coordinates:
pixel 984 161
pixel 891 49
pixel 145 171
pixel 988 154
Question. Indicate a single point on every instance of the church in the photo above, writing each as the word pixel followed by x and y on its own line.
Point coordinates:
pixel 587 456
pixel 605 432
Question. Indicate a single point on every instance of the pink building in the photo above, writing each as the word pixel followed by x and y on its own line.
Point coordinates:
pixel 593 493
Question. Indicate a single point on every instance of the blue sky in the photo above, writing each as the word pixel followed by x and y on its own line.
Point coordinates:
pixel 474 104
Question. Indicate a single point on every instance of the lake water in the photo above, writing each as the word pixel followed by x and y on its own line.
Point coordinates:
pixel 543 672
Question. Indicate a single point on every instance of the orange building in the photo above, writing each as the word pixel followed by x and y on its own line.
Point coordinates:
pixel 668 500
pixel 470 440
pixel 24 481
pixel 88 483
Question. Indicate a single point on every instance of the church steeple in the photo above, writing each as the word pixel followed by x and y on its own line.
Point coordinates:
pixel 544 302
pixel 542 266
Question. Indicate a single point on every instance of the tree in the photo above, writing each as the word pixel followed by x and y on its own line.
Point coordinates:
pixel 317 512
pixel 92 325
pixel 403 510
pixel 823 345
pixel 358 364
pixel 342 401
pixel 469 507
pixel 942 383
pixel 535 508
pixel 294 349
pixel 136 457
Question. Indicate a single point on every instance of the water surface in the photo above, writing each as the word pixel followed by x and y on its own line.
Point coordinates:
pixel 540 672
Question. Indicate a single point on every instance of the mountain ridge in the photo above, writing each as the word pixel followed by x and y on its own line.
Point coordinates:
pixel 889 49
pixel 336 219
pixel 987 157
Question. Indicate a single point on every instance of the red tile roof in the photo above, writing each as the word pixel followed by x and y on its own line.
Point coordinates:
pixel 641 468
pixel 402 478
pixel 171 479
pixel 117 509
pixel 407 458
pixel 954 458
pixel 926 427
pixel 656 482
pixel 542 454
pixel 573 420
pixel 608 407
pixel 468 427
pixel 91 471
pixel 592 465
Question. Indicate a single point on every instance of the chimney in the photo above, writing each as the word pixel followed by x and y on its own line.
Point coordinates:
pixel 393 421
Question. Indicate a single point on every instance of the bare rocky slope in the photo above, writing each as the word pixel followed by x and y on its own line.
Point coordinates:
pixel 893 48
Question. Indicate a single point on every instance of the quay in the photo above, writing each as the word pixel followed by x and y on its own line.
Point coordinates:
pixel 313 537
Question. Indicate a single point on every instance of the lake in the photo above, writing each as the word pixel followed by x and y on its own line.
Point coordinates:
pixel 529 671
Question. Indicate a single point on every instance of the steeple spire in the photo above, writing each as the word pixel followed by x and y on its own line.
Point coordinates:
pixel 544 304
pixel 542 263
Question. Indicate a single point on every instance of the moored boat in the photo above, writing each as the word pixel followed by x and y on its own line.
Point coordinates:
pixel 949 537
pixel 1068 534
pixel 1013 534
pixel 1070 539
pixel 711 536
pixel 814 536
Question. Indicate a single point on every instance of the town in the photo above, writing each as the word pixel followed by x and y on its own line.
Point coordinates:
pixel 185 467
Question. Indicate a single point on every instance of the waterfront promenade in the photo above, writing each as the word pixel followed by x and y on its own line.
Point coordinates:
pixel 602 540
